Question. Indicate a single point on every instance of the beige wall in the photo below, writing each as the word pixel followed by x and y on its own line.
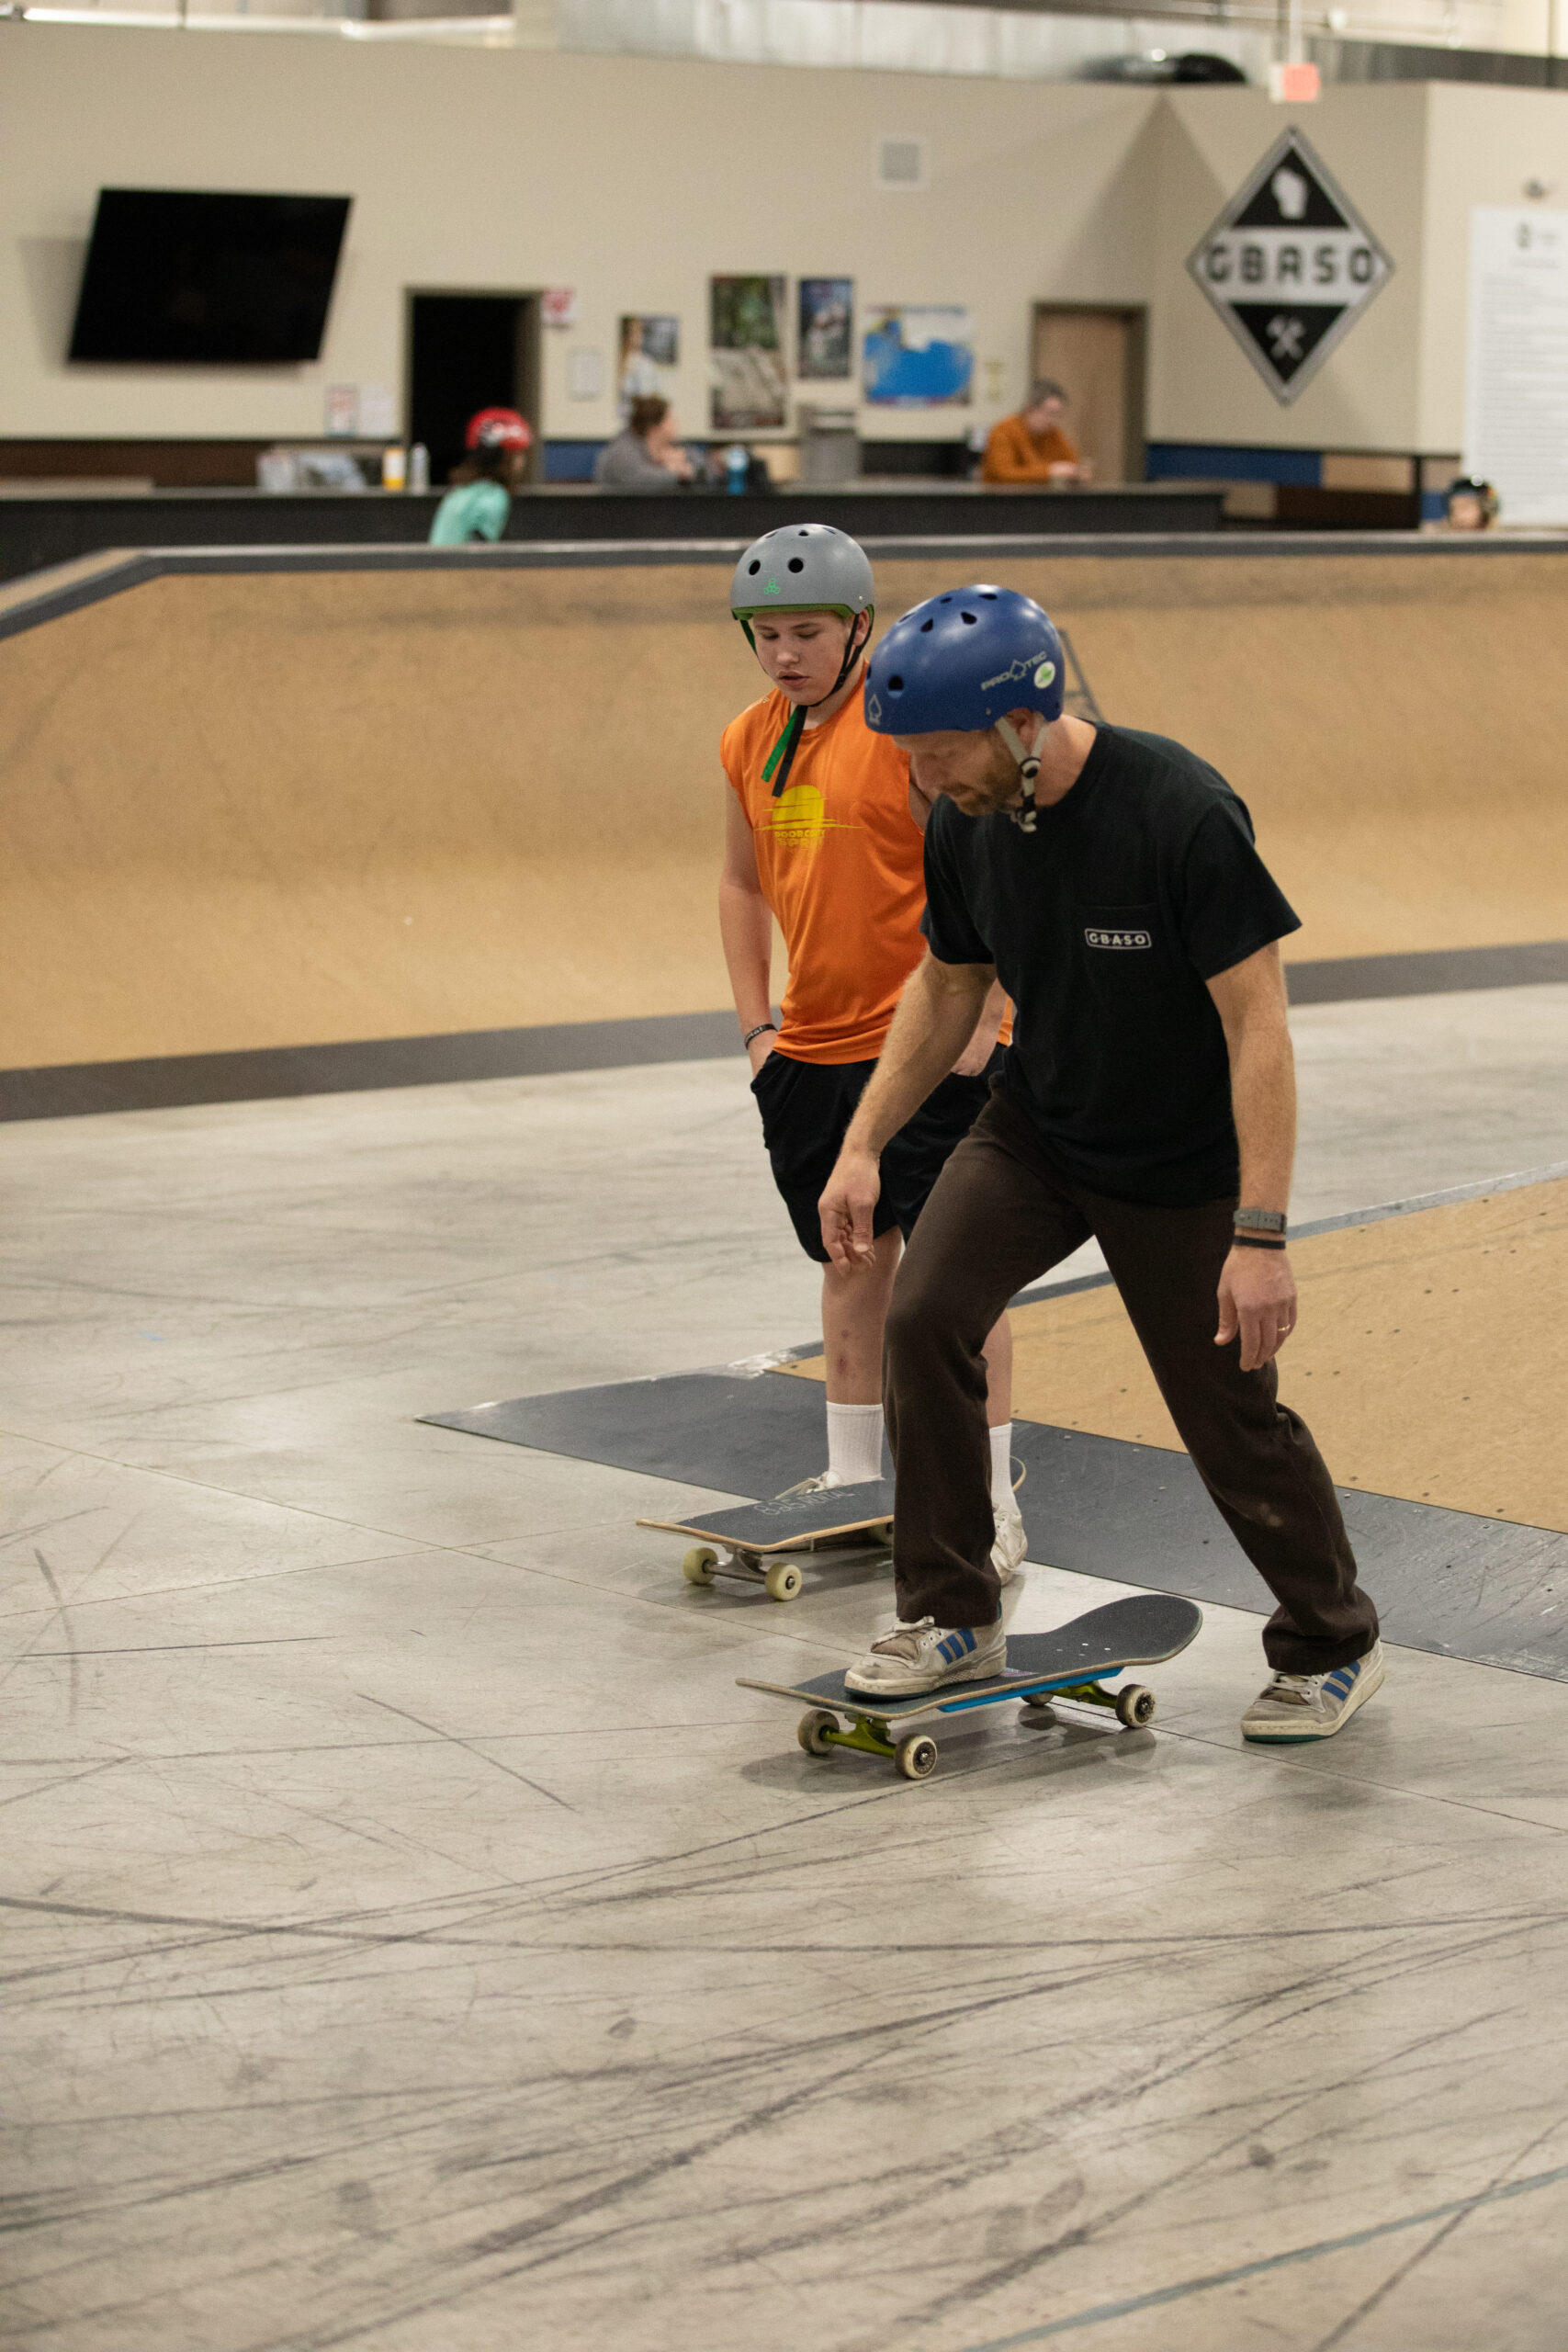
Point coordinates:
pixel 1203 387
pixel 636 179
pixel 631 179
pixel 1483 145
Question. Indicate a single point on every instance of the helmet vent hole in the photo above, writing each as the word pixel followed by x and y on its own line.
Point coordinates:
pixel 895 685
pixel 926 626
pixel 806 533
pixel 970 617
pixel 796 563
pixel 988 595
pixel 944 600
pixel 753 570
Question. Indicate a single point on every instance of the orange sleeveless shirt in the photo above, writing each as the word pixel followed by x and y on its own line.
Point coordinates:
pixel 841 861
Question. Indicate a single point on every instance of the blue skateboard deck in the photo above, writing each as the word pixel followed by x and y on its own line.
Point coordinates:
pixel 1072 1661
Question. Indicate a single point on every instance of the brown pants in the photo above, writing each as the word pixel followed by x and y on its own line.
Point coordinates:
pixel 1001 1215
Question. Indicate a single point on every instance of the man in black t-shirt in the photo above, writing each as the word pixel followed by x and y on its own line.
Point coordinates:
pixel 1110 881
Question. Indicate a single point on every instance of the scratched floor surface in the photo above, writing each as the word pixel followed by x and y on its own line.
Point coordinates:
pixel 414 1940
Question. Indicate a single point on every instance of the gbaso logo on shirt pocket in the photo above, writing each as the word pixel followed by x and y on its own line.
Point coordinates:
pixel 1116 938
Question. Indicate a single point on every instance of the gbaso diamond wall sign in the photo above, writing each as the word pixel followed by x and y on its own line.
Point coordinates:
pixel 1289 265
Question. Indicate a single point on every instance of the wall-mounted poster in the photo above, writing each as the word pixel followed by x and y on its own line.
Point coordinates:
pixel 919 355
pixel 827 328
pixel 649 353
pixel 750 391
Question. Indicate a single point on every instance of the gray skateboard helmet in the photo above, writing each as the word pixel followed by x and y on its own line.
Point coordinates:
pixel 804 567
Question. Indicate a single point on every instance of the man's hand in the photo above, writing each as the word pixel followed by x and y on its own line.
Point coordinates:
pixel 760 1048
pixel 1258 1299
pixel 847 1208
pixel 976 1055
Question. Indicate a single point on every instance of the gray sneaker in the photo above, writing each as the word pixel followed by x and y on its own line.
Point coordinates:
pixel 1312 1706
pixel 918 1657
pixel 1008 1551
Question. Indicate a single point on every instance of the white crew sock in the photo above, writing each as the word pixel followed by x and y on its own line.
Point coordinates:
pixel 854 1442
pixel 1001 1467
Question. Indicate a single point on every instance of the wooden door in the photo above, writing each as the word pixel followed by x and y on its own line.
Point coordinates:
pixel 1097 356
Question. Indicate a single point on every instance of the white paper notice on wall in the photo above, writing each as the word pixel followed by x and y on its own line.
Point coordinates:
pixel 340 415
pixel 584 375
pixel 1515 404
pixel 377 410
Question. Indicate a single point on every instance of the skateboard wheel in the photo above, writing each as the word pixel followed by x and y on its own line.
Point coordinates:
pixel 1135 1706
pixel 916 1757
pixel 811 1728
pixel 1039 1700
pixel 699 1563
pixel 783 1581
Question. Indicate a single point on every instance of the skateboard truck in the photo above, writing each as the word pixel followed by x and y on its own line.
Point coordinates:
pixel 781 1578
pixel 1075 1662
pixel 915 1754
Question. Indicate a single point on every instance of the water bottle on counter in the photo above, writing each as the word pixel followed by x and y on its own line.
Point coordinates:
pixel 736 466
pixel 419 468
pixel 394 468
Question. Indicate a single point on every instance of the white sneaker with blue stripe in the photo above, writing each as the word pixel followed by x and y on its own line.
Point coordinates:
pixel 918 1657
pixel 1312 1706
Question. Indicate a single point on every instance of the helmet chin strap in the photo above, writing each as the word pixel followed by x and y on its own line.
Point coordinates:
pixel 1028 771
pixel 783 750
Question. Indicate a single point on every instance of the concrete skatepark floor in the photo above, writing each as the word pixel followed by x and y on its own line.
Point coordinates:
pixel 415 1938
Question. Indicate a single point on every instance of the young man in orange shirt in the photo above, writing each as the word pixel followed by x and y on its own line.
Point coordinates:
pixel 1031 445
pixel 823 832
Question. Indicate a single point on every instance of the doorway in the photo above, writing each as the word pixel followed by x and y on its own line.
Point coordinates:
pixel 469 351
pixel 1097 356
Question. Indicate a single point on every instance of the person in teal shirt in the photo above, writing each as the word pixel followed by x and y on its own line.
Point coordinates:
pixel 476 505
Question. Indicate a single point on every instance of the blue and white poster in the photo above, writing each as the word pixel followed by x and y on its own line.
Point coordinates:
pixel 919 355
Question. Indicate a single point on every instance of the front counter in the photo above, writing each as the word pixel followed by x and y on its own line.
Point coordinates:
pixel 37 531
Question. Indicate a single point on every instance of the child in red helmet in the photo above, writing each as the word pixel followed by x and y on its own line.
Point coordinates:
pixel 476 505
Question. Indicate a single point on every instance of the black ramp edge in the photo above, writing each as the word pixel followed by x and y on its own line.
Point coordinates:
pixel 265 1074
pixel 1342 980
pixel 165 1082
pixel 1488 1590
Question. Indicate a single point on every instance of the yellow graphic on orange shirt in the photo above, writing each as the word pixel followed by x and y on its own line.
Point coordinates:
pixel 798 819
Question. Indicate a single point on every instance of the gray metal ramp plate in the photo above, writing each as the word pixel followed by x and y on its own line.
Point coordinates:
pixel 736 1434
pixel 1484 1590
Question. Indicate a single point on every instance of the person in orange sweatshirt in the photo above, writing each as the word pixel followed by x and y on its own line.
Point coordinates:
pixel 1031 445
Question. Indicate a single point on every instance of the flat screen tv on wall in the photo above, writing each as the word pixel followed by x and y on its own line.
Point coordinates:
pixel 177 275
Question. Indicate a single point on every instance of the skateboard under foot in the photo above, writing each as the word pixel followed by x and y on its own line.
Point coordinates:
pixel 1073 1662
pixel 758 1537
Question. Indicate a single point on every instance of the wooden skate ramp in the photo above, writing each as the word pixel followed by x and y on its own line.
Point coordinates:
pixel 1431 1358
pixel 284 807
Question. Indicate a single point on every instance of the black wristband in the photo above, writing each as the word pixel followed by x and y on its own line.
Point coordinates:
pixel 1255 1241
pixel 758 1031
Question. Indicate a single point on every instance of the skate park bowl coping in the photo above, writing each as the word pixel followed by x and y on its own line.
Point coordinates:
pixel 260 798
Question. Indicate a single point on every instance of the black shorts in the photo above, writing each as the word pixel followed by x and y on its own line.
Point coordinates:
pixel 806 1108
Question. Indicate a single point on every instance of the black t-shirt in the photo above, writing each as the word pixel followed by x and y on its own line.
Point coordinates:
pixel 1104 924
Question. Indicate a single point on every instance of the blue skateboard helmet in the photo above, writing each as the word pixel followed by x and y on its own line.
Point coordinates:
pixel 961 661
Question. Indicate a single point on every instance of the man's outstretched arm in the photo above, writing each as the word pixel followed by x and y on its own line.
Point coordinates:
pixel 935 1020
